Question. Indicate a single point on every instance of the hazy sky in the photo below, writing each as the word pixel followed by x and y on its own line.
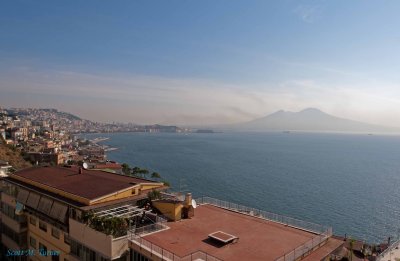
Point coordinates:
pixel 200 62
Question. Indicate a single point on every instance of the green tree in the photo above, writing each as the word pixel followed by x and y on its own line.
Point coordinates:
pixel 126 169
pixel 154 194
pixel 144 172
pixel 351 249
pixel 138 172
pixel 155 175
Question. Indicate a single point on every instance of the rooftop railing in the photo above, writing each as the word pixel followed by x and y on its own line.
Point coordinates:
pixel 288 221
pixel 388 251
pixel 166 255
pixel 306 248
pixel 144 230
pixel 322 232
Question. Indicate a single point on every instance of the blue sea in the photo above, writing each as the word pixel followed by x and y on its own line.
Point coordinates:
pixel 349 182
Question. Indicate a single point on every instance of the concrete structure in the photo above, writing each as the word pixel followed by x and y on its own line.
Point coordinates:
pixel 55 209
pixel 392 253
pixel 226 231
pixel 4 168
pixel 50 158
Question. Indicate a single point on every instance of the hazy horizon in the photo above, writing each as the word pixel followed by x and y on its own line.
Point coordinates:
pixel 192 63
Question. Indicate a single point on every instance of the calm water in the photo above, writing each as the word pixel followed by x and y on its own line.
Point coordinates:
pixel 350 182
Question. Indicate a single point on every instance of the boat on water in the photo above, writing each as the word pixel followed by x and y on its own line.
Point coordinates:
pixel 110 149
pixel 99 139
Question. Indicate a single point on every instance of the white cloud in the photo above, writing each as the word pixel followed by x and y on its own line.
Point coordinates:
pixel 308 13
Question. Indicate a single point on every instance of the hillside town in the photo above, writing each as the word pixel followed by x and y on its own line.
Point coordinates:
pixel 49 136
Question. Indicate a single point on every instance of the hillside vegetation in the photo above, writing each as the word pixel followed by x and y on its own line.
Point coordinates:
pixel 12 156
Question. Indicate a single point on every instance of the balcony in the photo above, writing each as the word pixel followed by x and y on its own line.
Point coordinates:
pixel 106 231
pixel 106 245
pixel 18 226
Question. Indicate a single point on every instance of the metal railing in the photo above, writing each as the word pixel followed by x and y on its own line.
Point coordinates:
pixel 166 255
pixel 306 248
pixel 148 229
pixel 388 250
pixel 288 221
pixel 322 232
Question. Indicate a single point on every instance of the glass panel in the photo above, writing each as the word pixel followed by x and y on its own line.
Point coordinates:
pixel 43 226
pixel 32 220
pixel 32 242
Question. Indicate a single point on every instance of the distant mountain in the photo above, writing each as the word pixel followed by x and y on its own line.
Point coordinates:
pixel 310 119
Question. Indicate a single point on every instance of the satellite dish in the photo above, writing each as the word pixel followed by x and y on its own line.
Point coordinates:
pixel 85 165
pixel 194 204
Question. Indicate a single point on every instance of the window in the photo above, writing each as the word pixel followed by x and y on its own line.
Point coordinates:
pixel 55 233
pixel 32 242
pixel 66 239
pixel 42 249
pixel 10 189
pixel 9 211
pixel 54 256
pixel 19 238
pixel 32 220
pixel 43 226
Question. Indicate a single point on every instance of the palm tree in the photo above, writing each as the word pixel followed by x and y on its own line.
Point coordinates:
pixel 154 194
pixel 143 172
pixel 155 175
pixel 351 249
pixel 136 171
pixel 126 169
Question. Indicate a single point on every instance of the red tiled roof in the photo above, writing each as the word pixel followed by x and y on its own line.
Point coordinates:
pixel 91 184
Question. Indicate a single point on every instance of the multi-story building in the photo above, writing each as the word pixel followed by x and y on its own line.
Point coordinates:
pixel 4 168
pixel 63 213
pixel 42 157
pixel 3 134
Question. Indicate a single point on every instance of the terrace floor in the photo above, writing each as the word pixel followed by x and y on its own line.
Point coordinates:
pixel 258 239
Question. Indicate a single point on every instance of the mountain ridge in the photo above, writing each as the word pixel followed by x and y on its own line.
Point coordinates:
pixel 309 119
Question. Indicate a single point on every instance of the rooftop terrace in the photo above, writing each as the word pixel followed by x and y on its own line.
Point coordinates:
pixel 256 236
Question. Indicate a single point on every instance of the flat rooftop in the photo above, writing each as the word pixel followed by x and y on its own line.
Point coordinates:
pixel 91 184
pixel 258 239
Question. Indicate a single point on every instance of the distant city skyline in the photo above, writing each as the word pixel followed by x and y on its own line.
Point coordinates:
pixel 208 62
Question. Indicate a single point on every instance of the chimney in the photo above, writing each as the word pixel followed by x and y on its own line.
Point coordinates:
pixel 80 171
pixel 188 199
